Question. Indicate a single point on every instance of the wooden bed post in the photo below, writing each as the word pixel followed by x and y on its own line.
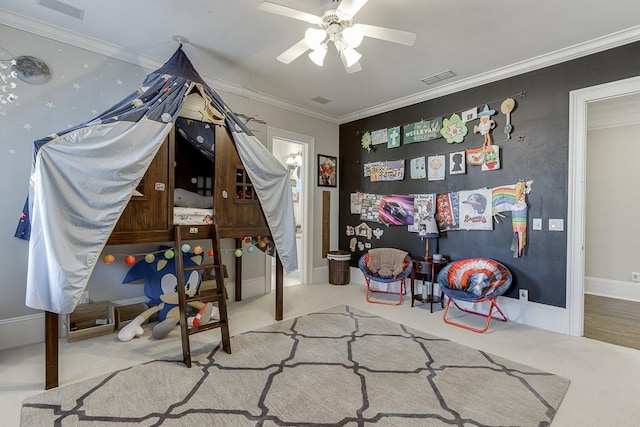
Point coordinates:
pixel 238 271
pixel 279 288
pixel 51 350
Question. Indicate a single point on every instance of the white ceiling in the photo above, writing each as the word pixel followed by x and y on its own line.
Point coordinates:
pixel 234 45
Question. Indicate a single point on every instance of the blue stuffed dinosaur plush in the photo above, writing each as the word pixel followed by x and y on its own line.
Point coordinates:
pixel 161 287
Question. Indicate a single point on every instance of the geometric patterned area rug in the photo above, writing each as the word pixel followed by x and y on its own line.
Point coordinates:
pixel 338 367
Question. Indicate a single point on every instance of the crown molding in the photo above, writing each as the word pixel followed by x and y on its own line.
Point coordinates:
pixel 40 28
pixel 596 45
pixel 579 50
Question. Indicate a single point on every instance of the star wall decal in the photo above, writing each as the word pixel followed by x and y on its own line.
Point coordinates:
pixel 50 105
pixel 76 86
pixel 26 126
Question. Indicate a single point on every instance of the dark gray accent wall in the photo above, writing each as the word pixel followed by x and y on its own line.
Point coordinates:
pixel 543 117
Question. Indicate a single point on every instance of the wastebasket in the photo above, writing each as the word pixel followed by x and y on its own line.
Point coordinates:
pixel 339 267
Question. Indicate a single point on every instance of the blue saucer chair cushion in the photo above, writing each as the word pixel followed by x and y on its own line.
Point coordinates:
pixel 474 278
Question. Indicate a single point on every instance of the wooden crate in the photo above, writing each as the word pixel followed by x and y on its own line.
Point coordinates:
pixel 124 314
pixel 81 324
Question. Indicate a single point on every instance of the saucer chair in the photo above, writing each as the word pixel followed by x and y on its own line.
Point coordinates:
pixel 474 280
pixel 393 261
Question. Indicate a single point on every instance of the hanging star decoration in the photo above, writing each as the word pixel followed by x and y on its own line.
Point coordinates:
pixel 7 82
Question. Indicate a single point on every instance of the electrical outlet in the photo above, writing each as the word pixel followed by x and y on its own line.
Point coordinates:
pixel 556 225
pixel 524 294
pixel 537 223
pixel 635 277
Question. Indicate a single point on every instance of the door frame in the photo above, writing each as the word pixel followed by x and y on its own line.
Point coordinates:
pixel 305 265
pixel 578 105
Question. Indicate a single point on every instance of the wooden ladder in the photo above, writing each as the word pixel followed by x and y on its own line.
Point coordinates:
pixel 181 233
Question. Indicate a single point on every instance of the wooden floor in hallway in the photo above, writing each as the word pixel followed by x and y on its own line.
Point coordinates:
pixel 612 320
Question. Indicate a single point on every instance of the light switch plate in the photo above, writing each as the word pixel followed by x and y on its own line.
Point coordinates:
pixel 556 225
pixel 537 223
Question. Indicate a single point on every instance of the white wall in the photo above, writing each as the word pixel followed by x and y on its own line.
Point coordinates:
pixel 612 206
pixel 100 82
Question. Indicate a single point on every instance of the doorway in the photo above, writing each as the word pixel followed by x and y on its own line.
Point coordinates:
pixel 579 103
pixel 293 151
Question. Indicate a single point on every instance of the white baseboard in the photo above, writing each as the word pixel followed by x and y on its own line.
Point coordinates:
pixel 619 289
pixel 23 330
pixel 541 316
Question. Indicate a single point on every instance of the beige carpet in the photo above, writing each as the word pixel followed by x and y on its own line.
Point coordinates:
pixel 340 367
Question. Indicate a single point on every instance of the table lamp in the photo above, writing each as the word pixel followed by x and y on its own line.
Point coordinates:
pixel 431 233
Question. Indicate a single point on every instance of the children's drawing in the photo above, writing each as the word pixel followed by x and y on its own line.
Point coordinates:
pixel 435 168
pixel 457 164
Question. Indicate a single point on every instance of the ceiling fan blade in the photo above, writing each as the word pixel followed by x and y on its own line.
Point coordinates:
pixel 353 69
pixel 289 55
pixel 267 6
pixel 390 35
pixel 350 7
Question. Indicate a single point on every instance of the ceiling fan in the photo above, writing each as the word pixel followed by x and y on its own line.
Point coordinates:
pixel 335 25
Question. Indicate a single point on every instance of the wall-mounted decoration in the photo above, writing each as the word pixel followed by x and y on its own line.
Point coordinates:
pixel 364 230
pixel 356 202
pixel 435 167
pixel 392 170
pixel 418 168
pixel 396 210
pixel 475 210
pixel 457 164
pixel 475 157
pixel 491 159
pixel 470 114
pixel 447 211
pixel 367 245
pixel 506 108
pixel 378 232
pixel 32 70
pixel 351 231
pixel 379 136
pixel 425 130
pixel 369 209
pixel 366 141
pixel 327 171
pixel 454 129
pixel 424 209
pixel 512 198
pixel 393 137
pixel 353 243
pixel 485 125
pixel 367 168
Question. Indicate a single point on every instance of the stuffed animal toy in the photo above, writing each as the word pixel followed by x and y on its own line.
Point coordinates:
pixel 161 288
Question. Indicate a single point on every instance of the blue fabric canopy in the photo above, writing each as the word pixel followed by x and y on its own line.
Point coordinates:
pixel 83 178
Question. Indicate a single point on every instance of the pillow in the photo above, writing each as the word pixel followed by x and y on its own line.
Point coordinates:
pixel 478 276
pixel 188 199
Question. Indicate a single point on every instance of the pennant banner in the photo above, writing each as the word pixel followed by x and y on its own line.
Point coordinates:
pixel 425 130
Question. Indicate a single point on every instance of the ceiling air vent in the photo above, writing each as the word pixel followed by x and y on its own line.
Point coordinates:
pixel 61 7
pixel 321 100
pixel 437 78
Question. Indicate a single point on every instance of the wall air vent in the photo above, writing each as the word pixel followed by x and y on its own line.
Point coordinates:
pixel 61 7
pixel 437 78
pixel 321 100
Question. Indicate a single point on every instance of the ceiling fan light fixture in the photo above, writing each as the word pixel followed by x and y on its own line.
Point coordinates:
pixel 314 37
pixel 353 35
pixel 317 56
pixel 351 56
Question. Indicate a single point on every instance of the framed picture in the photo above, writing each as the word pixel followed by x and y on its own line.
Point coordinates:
pixel 327 171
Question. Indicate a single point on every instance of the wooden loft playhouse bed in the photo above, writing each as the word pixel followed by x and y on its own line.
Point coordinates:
pixel 172 142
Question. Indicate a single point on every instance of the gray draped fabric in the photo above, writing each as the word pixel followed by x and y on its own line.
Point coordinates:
pixel 83 178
